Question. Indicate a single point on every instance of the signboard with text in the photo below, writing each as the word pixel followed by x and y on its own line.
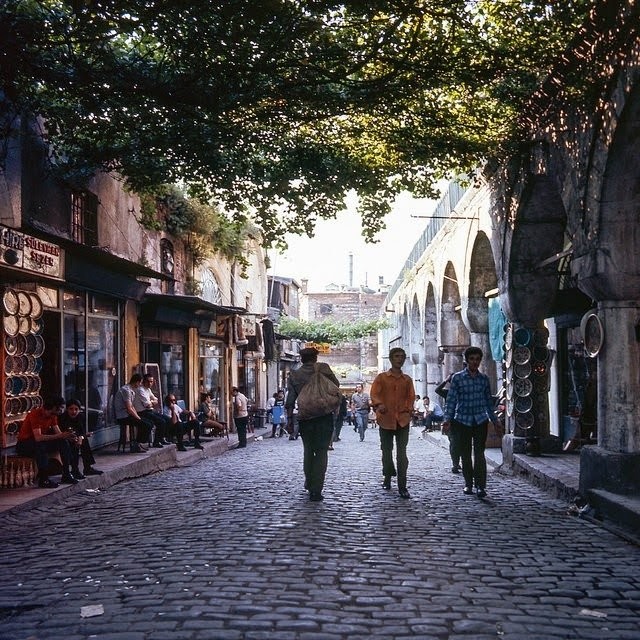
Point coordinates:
pixel 26 253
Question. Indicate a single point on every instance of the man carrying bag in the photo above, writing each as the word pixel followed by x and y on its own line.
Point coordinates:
pixel 317 392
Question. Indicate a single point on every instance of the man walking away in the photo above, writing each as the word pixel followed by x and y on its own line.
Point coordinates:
pixel 469 409
pixel 392 396
pixel 360 403
pixel 316 432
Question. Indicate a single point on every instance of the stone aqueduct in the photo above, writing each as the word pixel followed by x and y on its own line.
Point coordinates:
pixel 555 229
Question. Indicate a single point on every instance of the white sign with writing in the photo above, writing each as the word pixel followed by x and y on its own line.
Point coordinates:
pixel 24 252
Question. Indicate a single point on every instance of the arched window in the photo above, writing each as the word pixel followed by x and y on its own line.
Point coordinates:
pixel 210 288
pixel 167 265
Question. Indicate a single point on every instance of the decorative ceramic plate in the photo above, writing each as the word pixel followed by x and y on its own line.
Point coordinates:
pixel 524 404
pixel 10 301
pixel 36 325
pixel 509 375
pixel 509 390
pixel 21 345
pixel 10 345
pixel 508 358
pixel 521 355
pixel 523 387
pixel 8 407
pixel 39 349
pixel 8 386
pixel 523 370
pixel 522 336
pixel 38 366
pixel 13 428
pixel 36 305
pixel 24 303
pixel 540 353
pixel 539 368
pixel 31 343
pixel 508 335
pixel 509 407
pixel 24 325
pixel 525 420
pixel 541 384
pixel 36 402
pixel 11 325
pixel 8 365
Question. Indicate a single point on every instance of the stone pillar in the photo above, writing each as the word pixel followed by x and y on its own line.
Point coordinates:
pixel 614 464
pixel 488 365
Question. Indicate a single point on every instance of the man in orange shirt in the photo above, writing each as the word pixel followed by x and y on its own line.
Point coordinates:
pixel 40 434
pixel 392 396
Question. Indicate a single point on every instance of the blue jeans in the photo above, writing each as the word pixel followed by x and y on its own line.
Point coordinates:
pixel 316 436
pixel 401 435
pixel 362 422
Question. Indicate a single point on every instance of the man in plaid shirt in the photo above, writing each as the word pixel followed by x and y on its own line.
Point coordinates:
pixel 469 409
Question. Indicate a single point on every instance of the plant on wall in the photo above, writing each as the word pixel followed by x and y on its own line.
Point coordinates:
pixel 329 331
pixel 203 228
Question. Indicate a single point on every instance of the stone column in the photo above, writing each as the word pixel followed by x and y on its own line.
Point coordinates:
pixel 614 464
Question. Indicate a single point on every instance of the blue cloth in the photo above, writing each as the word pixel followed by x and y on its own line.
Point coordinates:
pixel 469 400
pixel 497 320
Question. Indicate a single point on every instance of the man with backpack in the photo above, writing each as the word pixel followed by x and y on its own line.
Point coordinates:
pixel 315 416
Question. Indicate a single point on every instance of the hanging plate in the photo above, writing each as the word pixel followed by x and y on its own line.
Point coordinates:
pixel 509 390
pixel 509 375
pixel 541 384
pixel 10 345
pixel 36 401
pixel 540 353
pixel 524 404
pixel 523 387
pixel 39 349
pixel 8 386
pixel 539 368
pixel 36 305
pixel 542 336
pixel 8 407
pixel 31 343
pixel 21 345
pixel 24 325
pixel 521 355
pixel 508 357
pixel 508 336
pixel 8 365
pixel 24 303
pixel 38 366
pixel 11 325
pixel 13 428
pixel 523 370
pixel 36 325
pixel 509 407
pixel 10 301
pixel 522 336
pixel 525 420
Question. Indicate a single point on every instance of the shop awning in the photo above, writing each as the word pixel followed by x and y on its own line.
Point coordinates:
pixel 186 311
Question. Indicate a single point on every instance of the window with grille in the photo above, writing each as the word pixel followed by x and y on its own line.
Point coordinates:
pixel 84 218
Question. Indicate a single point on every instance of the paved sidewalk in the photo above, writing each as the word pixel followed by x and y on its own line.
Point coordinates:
pixel 118 467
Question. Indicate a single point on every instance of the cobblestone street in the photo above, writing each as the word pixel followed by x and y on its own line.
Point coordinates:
pixel 231 548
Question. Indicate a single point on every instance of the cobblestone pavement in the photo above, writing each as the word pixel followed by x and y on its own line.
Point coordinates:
pixel 231 548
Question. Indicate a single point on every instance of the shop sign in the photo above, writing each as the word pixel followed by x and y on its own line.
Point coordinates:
pixel 24 252
pixel 249 325
pixel 321 347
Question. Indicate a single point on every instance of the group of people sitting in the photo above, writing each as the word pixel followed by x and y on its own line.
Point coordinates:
pixel 426 415
pixel 137 407
pixel 57 427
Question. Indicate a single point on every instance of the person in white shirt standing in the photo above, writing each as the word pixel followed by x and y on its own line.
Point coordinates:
pixel 240 416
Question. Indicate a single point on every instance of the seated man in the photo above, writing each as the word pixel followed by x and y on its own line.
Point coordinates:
pixel 72 420
pixel 435 416
pixel 40 435
pixel 148 408
pixel 208 418
pixel 126 414
pixel 182 421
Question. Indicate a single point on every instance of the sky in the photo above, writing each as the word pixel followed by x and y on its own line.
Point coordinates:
pixel 324 259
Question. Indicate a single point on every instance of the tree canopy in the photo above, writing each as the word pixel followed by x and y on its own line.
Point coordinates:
pixel 277 109
pixel 330 331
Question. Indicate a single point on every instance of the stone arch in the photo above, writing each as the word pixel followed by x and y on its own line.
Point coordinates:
pixel 430 337
pixel 482 278
pixel 531 283
pixel 415 354
pixel 454 336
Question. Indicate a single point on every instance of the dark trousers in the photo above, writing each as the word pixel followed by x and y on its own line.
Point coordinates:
pixel 454 442
pixel 41 450
pixel 241 428
pixel 140 428
pixel 185 428
pixel 161 423
pixel 316 436
pixel 401 436
pixel 84 451
pixel 473 470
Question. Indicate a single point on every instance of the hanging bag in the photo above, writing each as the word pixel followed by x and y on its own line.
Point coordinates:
pixel 319 397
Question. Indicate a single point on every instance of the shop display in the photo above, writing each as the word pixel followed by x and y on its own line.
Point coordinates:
pixel 23 346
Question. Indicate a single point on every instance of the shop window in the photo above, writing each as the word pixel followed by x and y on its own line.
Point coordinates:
pixel 210 288
pixel 211 374
pixel 84 218
pixel 165 347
